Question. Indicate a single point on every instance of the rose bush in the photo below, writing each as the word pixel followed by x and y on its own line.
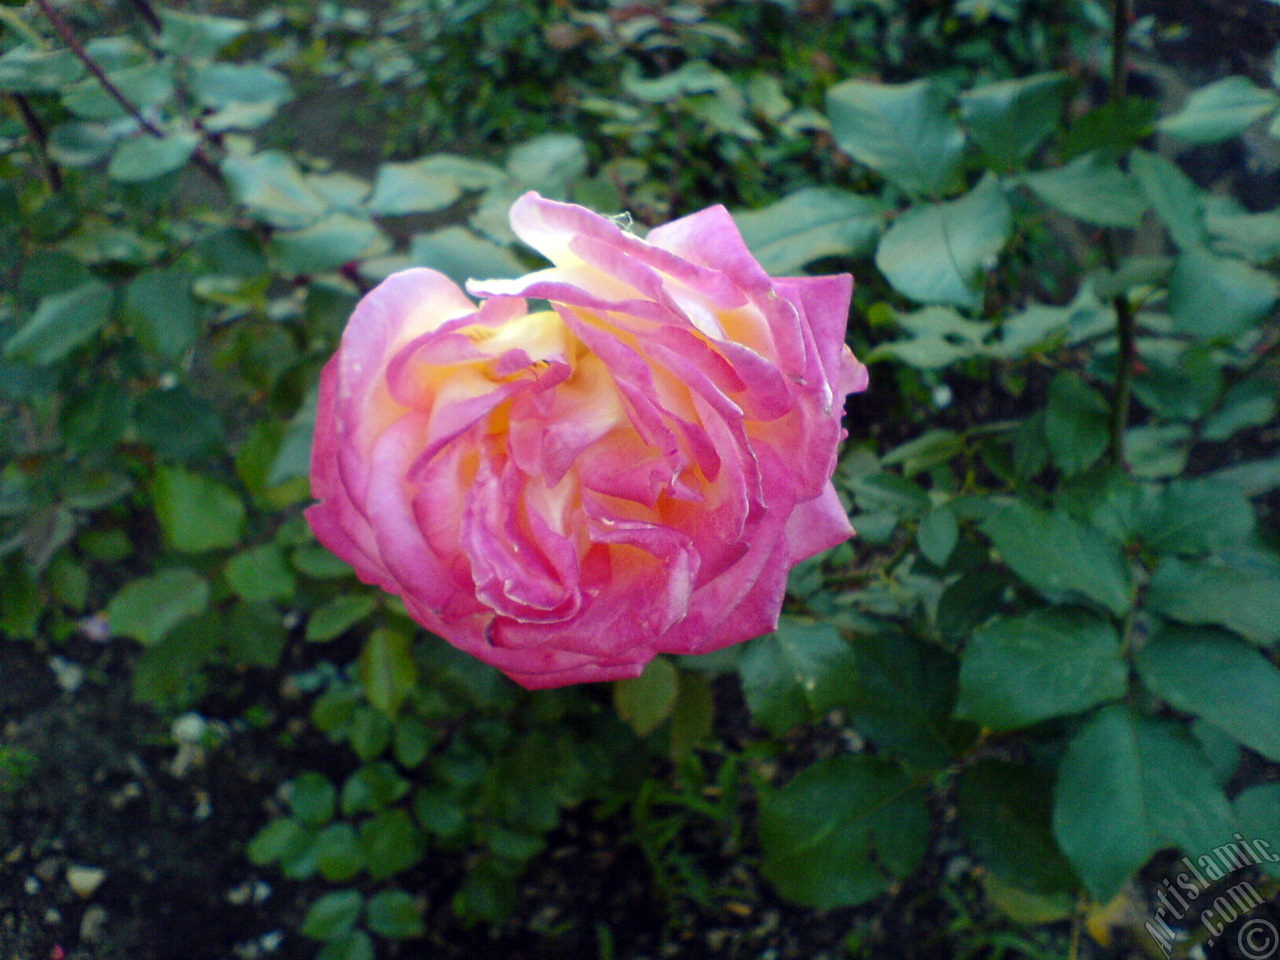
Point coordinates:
pixel 565 493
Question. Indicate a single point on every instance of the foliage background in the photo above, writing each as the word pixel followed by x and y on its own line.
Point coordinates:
pixel 1047 661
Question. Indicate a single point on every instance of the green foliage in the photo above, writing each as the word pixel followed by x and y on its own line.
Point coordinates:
pixel 1059 620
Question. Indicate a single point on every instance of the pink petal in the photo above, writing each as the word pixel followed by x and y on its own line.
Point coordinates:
pixel 817 525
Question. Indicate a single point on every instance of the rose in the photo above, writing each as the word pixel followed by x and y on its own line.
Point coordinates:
pixel 566 493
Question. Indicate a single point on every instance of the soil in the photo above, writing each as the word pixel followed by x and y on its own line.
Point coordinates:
pixel 117 844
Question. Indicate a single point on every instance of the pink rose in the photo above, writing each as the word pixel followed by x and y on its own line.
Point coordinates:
pixel 566 493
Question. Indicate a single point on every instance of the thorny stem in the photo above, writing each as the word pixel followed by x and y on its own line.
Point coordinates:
pixel 68 37
pixel 1120 50
pixel 36 131
pixel 1126 320
pixel 148 13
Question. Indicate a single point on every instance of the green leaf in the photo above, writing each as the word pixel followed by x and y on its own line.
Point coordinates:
pixel 162 312
pixel 467 173
pixel 391 843
pixel 93 490
pixel 293 459
pixel 902 697
pixel 414 187
pixel 278 841
pixel 1258 808
pixel 938 252
pixel 939 337
pixel 356 945
pixel 1009 119
pixel 328 244
pixel 335 617
pixel 1111 129
pixel 146 85
pixel 338 853
pixel 904 132
pixel 1157 449
pixel 937 535
pixel 273 189
pixel 395 913
pixel 370 732
pixel 62 322
pixel 1253 477
pixel 1053 662
pixel 96 420
pixel 461 255
pixel 1091 189
pixel 26 69
pixel 1060 557
pixel 1181 381
pixel 810 224
pixel 1174 196
pixel 1220 747
pixel 333 915
pixel 692 77
pixel 693 718
pixel 196 37
pixel 795 674
pixel 145 158
pixel 413 740
pixel 387 670
pixel 969 601
pixel 1133 273
pixel 820 832
pixel 372 788
pixel 1219 298
pixel 439 812
pixel 178 425
pixel 254 634
pixel 76 143
pixel 1006 814
pixel 319 564
pixel 1220 111
pixel 1251 236
pixel 260 574
pixel 1251 403
pixel 196 513
pixel 312 798
pixel 1128 786
pixel 1197 516
pixel 644 702
pixel 930 449
pixel 551 162
pixel 1076 424
pixel 1219 678
pixel 150 607
pixel 218 85
pixel 1239 596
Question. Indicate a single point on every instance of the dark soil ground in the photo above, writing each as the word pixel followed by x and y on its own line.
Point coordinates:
pixel 117 844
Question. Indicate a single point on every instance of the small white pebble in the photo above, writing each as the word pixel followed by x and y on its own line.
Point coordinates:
pixel 188 728
pixel 85 881
pixel 69 675
pixel 204 808
pixel 92 923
